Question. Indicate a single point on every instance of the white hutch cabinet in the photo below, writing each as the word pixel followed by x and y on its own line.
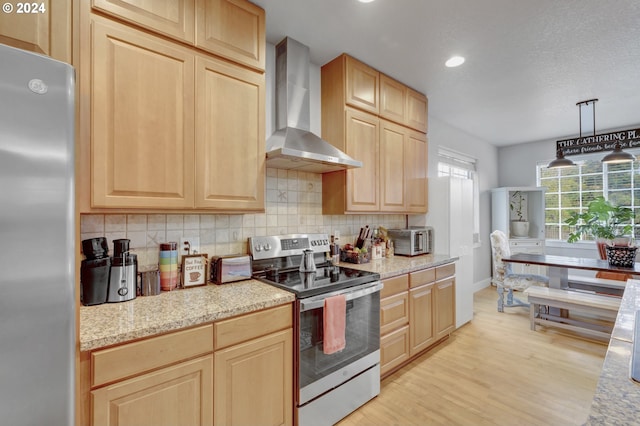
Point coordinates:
pixel 508 204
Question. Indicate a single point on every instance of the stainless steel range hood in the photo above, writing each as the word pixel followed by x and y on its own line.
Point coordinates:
pixel 293 146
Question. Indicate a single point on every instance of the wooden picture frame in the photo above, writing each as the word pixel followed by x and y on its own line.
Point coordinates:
pixel 195 270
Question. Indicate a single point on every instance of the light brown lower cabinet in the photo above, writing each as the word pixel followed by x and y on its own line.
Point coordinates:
pixel 234 371
pixel 417 310
pixel 178 395
pixel 253 382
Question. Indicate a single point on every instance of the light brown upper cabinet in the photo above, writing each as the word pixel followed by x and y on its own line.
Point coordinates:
pixel 393 99
pixel 361 84
pixel 416 110
pixel 42 27
pixel 174 18
pixel 394 174
pixel 230 157
pixel 232 29
pixel 356 133
pixel 142 133
pixel 415 173
pixel 165 126
pixel 356 84
pixel 392 167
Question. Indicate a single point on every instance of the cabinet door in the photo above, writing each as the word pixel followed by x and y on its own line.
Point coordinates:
pixel 421 324
pixel 394 349
pixel 230 158
pixel 445 307
pixel 178 395
pixel 362 137
pixel 416 173
pixel 362 84
pixel 527 246
pixel 392 167
pixel 416 116
pixel 394 312
pixel 175 18
pixel 254 382
pixel 43 27
pixel 142 119
pixel 234 29
pixel 393 99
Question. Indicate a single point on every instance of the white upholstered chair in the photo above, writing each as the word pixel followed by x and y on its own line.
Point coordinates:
pixel 504 278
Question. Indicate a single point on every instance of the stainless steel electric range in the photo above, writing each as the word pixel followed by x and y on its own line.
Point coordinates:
pixel 329 387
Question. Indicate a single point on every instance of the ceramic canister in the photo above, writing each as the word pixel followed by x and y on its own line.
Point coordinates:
pixel 168 264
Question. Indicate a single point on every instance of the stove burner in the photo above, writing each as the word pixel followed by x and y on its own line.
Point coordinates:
pixel 326 278
pixel 276 261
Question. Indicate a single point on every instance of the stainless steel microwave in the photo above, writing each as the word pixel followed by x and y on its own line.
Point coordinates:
pixel 412 242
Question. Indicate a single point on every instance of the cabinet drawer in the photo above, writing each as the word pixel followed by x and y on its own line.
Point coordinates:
pixel 445 271
pixel 135 358
pixel 394 312
pixel 419 278
pixel 394 285
pixel 394 349
pixel 246 327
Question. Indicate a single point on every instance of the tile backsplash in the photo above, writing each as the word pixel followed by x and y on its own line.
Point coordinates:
pixel 293 205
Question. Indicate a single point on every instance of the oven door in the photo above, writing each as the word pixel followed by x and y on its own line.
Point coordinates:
pixel 318 372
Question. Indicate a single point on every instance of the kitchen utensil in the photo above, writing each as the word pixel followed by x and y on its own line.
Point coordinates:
pixel 150 282
pixel 307 264
pixel 168 266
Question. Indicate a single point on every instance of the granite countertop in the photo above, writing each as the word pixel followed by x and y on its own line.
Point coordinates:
pixel 113 323
pixel 397 265
pixel 617 397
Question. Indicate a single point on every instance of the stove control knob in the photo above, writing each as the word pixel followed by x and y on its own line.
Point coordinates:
pixel 267 247
pixel 314 242
pixel 257 247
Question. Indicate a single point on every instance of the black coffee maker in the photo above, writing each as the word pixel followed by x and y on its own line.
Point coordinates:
pixel 94 271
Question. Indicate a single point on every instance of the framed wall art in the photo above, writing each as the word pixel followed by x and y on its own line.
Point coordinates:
pixel 194 270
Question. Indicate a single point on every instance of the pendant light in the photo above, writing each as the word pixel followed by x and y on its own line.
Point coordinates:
pixel 618 155
pixel 560 161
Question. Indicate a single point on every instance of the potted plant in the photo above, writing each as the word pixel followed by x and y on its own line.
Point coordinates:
pixel 607 223
pixel 520 225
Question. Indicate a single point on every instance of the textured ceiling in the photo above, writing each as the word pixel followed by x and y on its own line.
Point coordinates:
pixel 527 62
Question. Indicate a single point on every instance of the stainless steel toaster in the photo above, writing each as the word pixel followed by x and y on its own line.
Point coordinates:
pixel 226 269
pixel 413 241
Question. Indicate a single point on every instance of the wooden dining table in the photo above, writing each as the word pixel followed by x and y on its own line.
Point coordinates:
pixel 559 266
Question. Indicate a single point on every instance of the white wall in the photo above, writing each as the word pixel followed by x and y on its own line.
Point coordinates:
pixel 518 162
pixel 441 134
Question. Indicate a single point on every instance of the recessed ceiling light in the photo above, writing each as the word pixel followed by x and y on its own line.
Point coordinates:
pixel 365 1
pixel 454 61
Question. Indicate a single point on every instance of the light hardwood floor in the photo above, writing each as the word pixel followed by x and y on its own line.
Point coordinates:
pixel 492 371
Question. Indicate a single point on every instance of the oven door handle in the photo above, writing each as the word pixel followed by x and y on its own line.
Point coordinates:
pixel 350 294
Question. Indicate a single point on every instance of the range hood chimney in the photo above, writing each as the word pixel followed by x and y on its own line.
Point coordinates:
pixel 293 146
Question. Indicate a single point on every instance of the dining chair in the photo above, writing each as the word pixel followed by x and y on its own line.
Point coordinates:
pixel 503 276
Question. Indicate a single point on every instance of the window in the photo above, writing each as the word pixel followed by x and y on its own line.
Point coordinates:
pixel 571 189
pixel 455 164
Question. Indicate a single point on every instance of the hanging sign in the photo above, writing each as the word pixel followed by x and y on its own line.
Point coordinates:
pixel 600 143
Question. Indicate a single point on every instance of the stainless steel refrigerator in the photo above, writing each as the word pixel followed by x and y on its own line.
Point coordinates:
pixel 37 237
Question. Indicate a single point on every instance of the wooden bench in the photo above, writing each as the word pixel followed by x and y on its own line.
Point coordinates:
pixel 568 300
pixel 598 285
